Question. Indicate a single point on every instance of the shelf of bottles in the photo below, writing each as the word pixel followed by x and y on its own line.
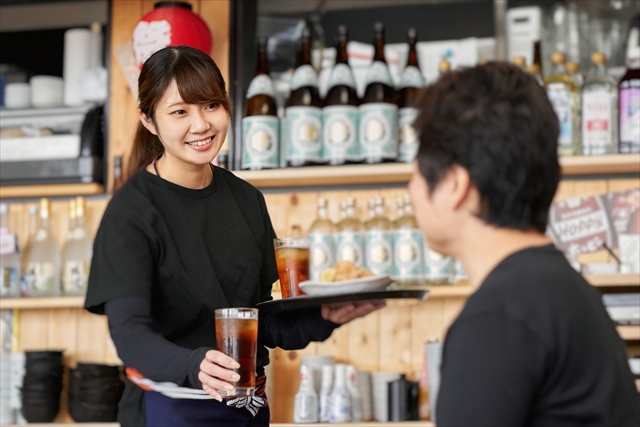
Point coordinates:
pixel 50 190
pixel 598 117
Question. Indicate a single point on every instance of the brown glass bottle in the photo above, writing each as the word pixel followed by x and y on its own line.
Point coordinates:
pixel 411 84
pixel 378 110
pixel 303 113
pixel 260 125
pixel 340 113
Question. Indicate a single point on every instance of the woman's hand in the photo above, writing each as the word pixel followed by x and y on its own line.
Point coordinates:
pixel 215 373
pixel 347 313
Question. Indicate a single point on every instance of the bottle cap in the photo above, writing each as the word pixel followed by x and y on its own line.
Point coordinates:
pixel 412 33
pixel 598 58
pixel 519 61
pixel 444 66
pixel 343 31
pixel 378 27
pixel 558 58
pixel 573 67
pixel 533 69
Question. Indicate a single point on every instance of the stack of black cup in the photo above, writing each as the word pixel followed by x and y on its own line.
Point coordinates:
pixel 42 385
pixel 94 393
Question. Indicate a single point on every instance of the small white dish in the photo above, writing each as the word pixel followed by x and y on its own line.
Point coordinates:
pixel 366 284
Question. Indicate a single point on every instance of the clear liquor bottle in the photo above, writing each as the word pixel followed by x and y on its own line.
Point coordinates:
pixel 321 241
pixel 303 113
pixel 408 242
pixel 411 84
pixel 378 109
pixel 379 242
pixel 260 125
pixel 339 399
pixel 438 269
pixel 45 259
pixel 77 255
pixel 72 223
pixel 305 407
pixel 33 229
pixel 563 94
pixel 599 110
pixel 9 257
pixel 354 395
pixel 629 98
pixel 340 112
pixel 349 241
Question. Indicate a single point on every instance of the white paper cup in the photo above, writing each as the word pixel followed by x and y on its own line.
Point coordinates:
pixel 47 91
pixel 379 382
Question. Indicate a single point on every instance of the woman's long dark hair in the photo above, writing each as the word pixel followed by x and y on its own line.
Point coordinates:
pixel 199 81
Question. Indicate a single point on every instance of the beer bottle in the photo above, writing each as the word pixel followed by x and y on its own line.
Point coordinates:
pixel 410 86
pixel 378 110
pixel 321 241
pixel 303 113
pixel 349 238
pixel 260 126
pixel 340 113
pixel 563 94
pixel 536 67
pixel 407 247
pixel 379 242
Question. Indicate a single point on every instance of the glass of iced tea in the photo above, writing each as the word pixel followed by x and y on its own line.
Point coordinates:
pixel 292 259
pixel 237 337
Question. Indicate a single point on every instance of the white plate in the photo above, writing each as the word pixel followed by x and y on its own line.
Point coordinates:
pixel 366 284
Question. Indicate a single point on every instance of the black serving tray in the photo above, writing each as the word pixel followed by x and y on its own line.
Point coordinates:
pixel 306 302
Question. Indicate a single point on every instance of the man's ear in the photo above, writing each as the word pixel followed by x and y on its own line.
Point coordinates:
pixel 461 186
pixel 148 123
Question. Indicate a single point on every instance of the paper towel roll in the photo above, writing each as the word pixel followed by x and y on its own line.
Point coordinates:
pixel 77 58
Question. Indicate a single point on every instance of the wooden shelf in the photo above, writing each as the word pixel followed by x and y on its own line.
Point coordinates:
pixel 41 303
pixel 613 280
pixel 50 190
pixel 629 332
pixel 389 173
pixel 366 424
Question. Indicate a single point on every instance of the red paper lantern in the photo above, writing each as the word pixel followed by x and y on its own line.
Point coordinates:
pixel 170 23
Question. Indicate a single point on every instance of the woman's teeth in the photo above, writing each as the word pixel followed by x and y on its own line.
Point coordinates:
pixel 200 143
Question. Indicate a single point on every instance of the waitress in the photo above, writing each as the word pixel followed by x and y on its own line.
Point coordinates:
pixel 181 239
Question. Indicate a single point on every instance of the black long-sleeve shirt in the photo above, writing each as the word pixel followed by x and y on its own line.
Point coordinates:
pixel 165 257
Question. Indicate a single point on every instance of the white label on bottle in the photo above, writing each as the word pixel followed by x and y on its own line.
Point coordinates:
pixel 379 252
pixel 304 133
pixel 630 117
pixel 341 75
pixel 41 276
pixel 8 243
pixel 9 281
pixel 305 407
pixel 261 85
pixel 321 250
pixel 411 77
pixel 597 124
pixel 408 258
pixel 260 142
pixel 437 267
pixel 378 130
pixel 409 143
pixel 562 102
pixel 304 75
pixel 379 73
pixel 350 248
pixel 340 133
pixel 75 276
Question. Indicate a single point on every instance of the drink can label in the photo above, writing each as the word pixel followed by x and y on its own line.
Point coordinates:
pixel 411 77
pixel 76 276
pixel 379 252
pixel 340 132
pixel 409 143
pixel 349 247
pixel 304 75
pixel 261 85
pixel 437 267
pixel 378 130
pixel 321 253
pixel 407 253
pixel 42 276
pixel 630 119
pixel 597 116
pixel 379 73
pixel 304 133
pixel 341 75
pixel 562 103
pixel 260 142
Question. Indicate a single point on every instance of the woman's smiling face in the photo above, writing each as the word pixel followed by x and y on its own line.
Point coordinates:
pixel 190 133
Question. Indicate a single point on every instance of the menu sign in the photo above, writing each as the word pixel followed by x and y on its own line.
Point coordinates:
pixel 581 225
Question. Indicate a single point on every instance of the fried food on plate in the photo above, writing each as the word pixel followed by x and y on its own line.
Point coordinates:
pixel 344 270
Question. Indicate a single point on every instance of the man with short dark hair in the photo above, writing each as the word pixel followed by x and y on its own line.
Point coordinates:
pixel 534 345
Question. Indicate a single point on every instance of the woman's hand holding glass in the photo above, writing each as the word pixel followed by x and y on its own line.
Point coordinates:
pixel 216 374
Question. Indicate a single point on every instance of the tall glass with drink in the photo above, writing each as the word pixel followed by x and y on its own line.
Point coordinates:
pixel 237 337
pixel 292 259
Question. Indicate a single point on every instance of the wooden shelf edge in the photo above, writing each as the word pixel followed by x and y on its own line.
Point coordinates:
pixel 41 303
pixel 50 190
pixel 629 332
pixel 594 165
pixel 615 280
pixel 363 424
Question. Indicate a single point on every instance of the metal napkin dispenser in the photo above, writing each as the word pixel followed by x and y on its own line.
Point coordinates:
pixel 51 145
